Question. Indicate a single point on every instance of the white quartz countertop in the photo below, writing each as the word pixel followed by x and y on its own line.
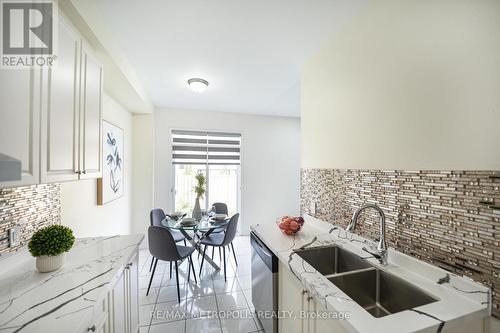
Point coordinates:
pixel 64 300
pixel 459 301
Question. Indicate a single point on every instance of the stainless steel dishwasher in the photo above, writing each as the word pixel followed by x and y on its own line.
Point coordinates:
pixel 264 284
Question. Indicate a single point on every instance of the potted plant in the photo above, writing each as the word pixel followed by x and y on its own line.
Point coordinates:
pixel 199 189
pixel 49 245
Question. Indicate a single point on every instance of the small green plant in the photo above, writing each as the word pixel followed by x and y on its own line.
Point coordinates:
pixel 200 188
pixel 51 241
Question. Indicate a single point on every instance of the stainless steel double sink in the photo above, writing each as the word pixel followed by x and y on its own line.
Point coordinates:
pixel 378 292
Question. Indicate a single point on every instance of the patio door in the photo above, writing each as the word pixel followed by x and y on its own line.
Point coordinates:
pixel 214 154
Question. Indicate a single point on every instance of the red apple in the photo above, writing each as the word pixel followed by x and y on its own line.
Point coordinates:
pixel 294 226
pixel 288 232
pixel 299 220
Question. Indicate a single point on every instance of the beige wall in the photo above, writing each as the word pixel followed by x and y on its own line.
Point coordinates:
pixel 407 85
pixel 79 209
pixel 143 171
pixel 270 165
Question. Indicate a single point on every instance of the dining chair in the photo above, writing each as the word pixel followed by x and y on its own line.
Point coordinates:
pixel 162 246
pixel 221 240
pixel 155 217
pixel 221 208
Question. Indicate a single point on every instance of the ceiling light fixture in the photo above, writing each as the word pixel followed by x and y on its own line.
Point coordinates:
pixel 198 85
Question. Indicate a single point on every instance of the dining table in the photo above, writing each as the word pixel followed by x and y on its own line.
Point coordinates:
pixel 195 232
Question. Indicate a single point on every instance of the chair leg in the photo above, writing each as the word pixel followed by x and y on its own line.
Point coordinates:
pixel 189 269
pixel 220 257
pixel 203 259
pixel 213 249
pixel 224 252
pixel 192 267
pixel 185 244
pixel 170 269
pixel 234 254
pixel 151 279
pixel 177 279
pixel 152 261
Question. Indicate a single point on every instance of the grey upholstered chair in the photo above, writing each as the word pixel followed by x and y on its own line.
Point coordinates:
pixel 155 217
pixel 162 246
pixel 221 208
pixel 221 240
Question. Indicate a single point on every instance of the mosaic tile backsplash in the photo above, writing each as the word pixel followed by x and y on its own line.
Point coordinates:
pixel 450 219
pixel 29 208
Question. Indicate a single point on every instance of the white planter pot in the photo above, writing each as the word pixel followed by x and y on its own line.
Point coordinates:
pixel 45 264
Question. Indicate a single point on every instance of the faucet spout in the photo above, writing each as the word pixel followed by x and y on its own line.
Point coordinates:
pixel 382 245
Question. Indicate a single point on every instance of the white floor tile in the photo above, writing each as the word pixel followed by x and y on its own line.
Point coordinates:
pixel 145 312
pixel 169 293
pixel 161 312
pixel 201 306
pixel 202 288
pixel 248 297
pixel 144 281
pixel 244 325
pixel 176 326
pixel 221 286
pixel 232 301
pixel 204 325
pixel 169 311
pixel 245 281
pixel 150 299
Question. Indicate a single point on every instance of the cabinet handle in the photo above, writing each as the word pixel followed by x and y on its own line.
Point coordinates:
pixel 78 172
pixel 309 298
pixel 84 172
pixel 304 291
pixel 91 328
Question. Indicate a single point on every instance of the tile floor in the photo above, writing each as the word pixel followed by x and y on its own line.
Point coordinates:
pixel 161 312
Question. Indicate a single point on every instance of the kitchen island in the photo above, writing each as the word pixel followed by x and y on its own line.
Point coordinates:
pixel 95 291
pixel 459 305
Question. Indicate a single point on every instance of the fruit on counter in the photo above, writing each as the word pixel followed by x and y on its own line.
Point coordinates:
pixel 290 225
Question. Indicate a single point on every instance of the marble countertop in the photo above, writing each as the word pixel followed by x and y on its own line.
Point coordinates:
pixel 459 301
pixel 64 300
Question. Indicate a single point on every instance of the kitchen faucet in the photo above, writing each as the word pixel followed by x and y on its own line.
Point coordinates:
pixel 382 246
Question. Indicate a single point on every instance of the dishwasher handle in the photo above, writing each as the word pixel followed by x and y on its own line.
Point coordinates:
pixel 267 256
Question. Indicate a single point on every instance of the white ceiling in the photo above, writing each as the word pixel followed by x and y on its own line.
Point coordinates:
pixel 251 51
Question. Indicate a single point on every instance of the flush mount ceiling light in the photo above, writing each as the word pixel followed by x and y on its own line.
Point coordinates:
pixel 198 85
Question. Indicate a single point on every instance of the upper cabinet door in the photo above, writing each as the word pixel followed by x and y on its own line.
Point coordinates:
pixel 60 111
pixel 90 116
pixel 20 122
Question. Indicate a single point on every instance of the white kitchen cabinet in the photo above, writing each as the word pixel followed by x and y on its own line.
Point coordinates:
pixel 51 119
pixel 60 110
pixel 72 112
pixel 291 298
pixel 20 122
pixel 120 309
pixel 132 277
pixel 90 115
pixel 294 297
pixel 118 304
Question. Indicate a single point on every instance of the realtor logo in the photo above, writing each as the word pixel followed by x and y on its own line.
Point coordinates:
pixel 27 34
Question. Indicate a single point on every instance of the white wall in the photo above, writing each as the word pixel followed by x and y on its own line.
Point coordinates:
pixel 79 199
pixel 270 170
pixel 143 171
pixel 407 85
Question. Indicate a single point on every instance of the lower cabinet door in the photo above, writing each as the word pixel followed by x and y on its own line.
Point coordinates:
pixel 102 325
pixel 133 294
pixel 290 302
pixel 119 306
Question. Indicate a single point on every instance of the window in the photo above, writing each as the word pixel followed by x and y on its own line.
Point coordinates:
pixel 217 156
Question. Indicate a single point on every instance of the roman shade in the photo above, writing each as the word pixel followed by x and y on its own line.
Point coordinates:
pixel 203 147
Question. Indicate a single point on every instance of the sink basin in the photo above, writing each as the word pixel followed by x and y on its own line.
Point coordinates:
pixel 380 293
pixel 329 260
